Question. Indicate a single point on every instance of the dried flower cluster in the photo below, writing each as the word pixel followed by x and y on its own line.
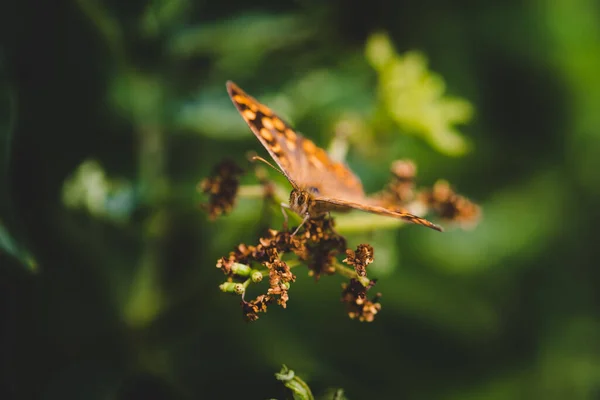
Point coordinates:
pixel 318 245
pixel 222 187
pixel 358 306
pixel 354 294
pixel 360 258
pixel 266 254
pixel 321 246
pixel 441 199
pixel 449 205
pixel 401 188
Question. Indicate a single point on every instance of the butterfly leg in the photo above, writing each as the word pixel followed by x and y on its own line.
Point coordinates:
pixel 306 218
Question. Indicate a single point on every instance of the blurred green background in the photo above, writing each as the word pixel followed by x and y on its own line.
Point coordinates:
pixel 111 112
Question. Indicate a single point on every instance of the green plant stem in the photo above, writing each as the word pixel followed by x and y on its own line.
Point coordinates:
pixel 350 273
pixel 251 191
pixel 344 271
pixel 339 268
pixel 358 222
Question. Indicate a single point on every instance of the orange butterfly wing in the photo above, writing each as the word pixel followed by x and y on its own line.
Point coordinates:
pixel 305 164
pixel 364 206
pixel 308 166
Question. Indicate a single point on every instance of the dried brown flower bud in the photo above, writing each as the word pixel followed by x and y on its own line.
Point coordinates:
pixel 400 190
pixel 369 309
pixel 280 276
pixel 322 244
pixel 222 187
pixel 449 205
pixel 253 307
pixel 357 305
pixel 360 258
pixel 225 264
pixel 404 170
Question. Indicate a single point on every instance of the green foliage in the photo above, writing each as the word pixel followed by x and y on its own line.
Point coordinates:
pixel 413 98
pixel 294 383
pixel 89 189
pixel 112 112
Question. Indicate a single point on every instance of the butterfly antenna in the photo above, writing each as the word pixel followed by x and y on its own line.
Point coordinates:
pixel 254 158
pixel 259 158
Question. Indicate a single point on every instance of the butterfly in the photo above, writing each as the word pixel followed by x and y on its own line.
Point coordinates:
pixel 320 184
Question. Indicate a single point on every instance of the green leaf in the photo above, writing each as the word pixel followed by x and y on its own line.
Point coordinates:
pixel 413 97
pixel 299 388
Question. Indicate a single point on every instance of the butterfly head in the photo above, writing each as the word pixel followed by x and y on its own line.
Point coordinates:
pixel 299 201
pixel 302 202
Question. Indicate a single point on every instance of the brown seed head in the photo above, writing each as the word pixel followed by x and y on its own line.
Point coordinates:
pixel 357 304
pixel 280 276
pixel 222 187
pixel 360 258
pixel 253 307
pixel 400 190
pixel 322 245
pixel 449 205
